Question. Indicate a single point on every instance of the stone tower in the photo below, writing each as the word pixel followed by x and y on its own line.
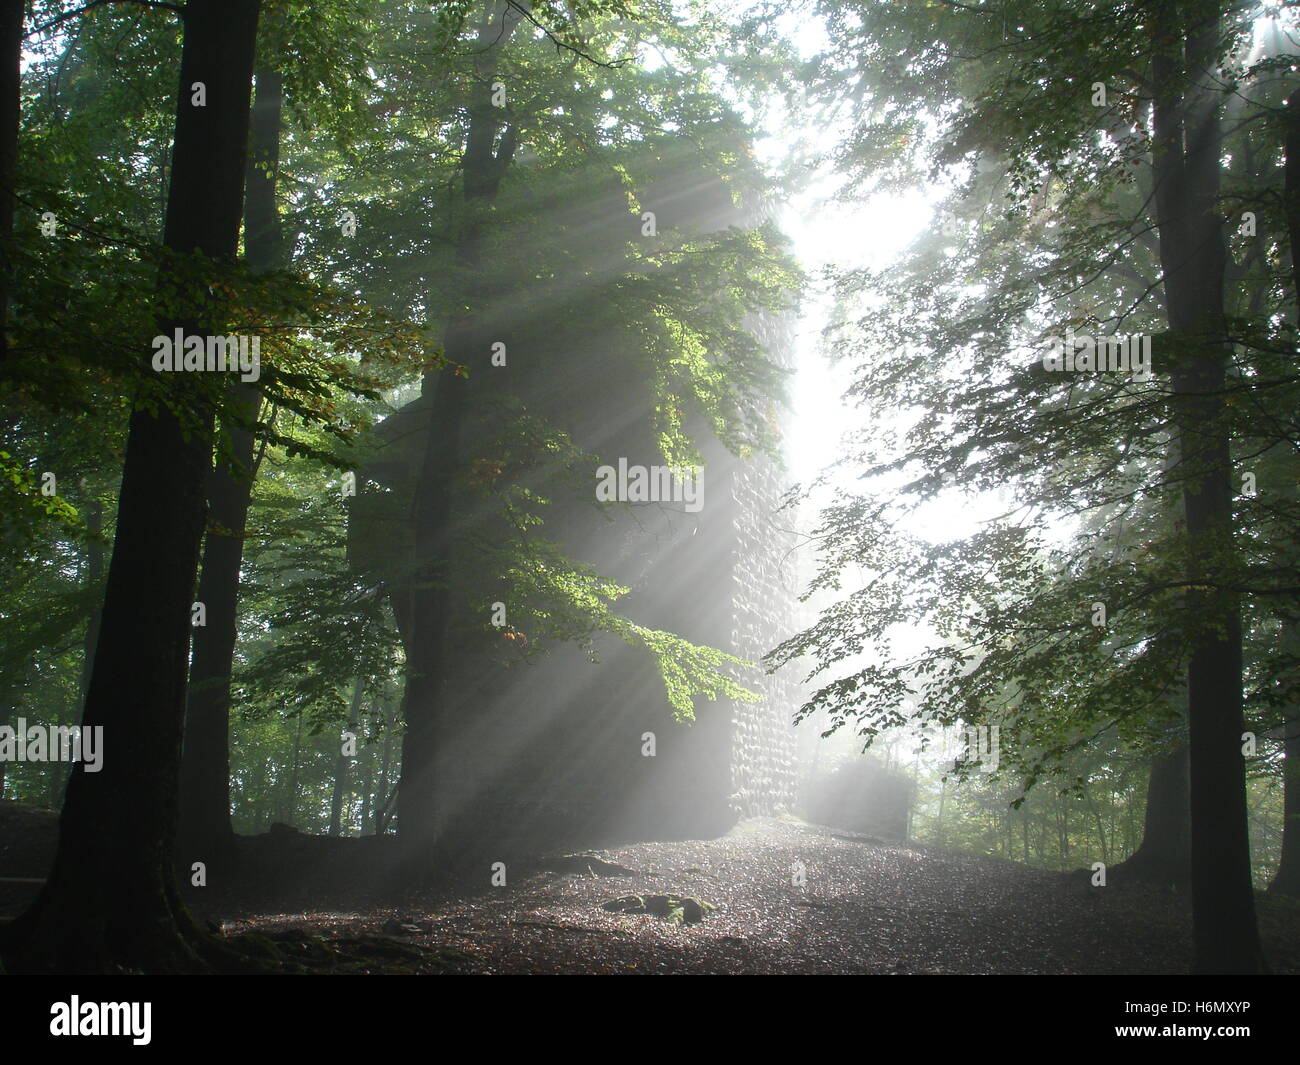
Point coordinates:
pixel 549 754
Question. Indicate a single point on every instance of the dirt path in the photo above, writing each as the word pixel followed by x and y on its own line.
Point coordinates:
pixel 866 907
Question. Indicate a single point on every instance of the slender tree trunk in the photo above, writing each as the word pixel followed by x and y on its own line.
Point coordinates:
pixel 1286 881
pixel 111 899
pixel 289 804
pixel 1164 854
pixel 342 761
pixel 206 830
pixel 484 163
pixel 257 798
pixel 1186 162
pixel 1291 188
pixel 1063 830
pixel 92 576
pixel 11 55
pixel 367 787
pixel 943 801
pixel 378 809
pixel 5 716
pixel 1101 826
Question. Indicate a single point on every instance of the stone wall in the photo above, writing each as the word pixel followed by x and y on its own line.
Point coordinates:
pixel 548 755
pixel 765 599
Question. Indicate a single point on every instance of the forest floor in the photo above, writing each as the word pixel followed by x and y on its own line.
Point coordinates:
pixel 866 906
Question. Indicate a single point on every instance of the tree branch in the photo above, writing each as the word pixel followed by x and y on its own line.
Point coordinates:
pixel 68 15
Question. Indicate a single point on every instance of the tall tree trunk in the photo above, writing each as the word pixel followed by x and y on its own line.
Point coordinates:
pixel 366 788
pixel 289 806
pixel 1186 148
pixel 206 830
pixel 943 801
pixel 94 574
pixel 1165 852
pixel 1286 881
pixel 1101 825
pixel 484 163
pixel 111 899
pixel 1062 830
pixel 11 57
pixel 256 797
pixel 342 761
pixel 92 577
pixel 1291 187
pixel 379 808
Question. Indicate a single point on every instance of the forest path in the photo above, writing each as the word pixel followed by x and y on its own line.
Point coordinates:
pixel 866 907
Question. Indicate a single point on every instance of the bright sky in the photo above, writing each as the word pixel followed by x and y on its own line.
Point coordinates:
pixel 873 232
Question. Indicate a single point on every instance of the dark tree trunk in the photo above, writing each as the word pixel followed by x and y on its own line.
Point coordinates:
pixel 1291 191
pixel 1164 855
pixel 1286 881
pixel 1101 826
pixel 484 163
pixel 1063 830
pixel 111 900
pixel 342 762
pixel 289 806
pixel 94 574
pixel 379 803
pixel 1193 258
pixel 256 795
pixel 206 831
pixel 92 578
pixel 11 55
pixel 5 719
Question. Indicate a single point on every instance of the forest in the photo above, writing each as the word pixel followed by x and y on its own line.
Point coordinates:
pixel 384 383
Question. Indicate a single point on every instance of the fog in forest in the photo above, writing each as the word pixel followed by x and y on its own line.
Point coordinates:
pixel 533 487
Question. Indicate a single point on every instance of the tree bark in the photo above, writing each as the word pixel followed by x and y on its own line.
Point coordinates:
pixel 378 807
pixel 1286 881
pixel 1291 187
pixel 206 830
pixel 92 577
pixel 1164 855
pixel 111 901
pixel 94 574
pixel 342 762
pixel 11 56
pixel 289 805
pixel 1193 257
pixel 484 163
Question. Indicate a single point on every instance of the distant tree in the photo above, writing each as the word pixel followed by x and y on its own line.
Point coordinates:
pixel 1153 463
